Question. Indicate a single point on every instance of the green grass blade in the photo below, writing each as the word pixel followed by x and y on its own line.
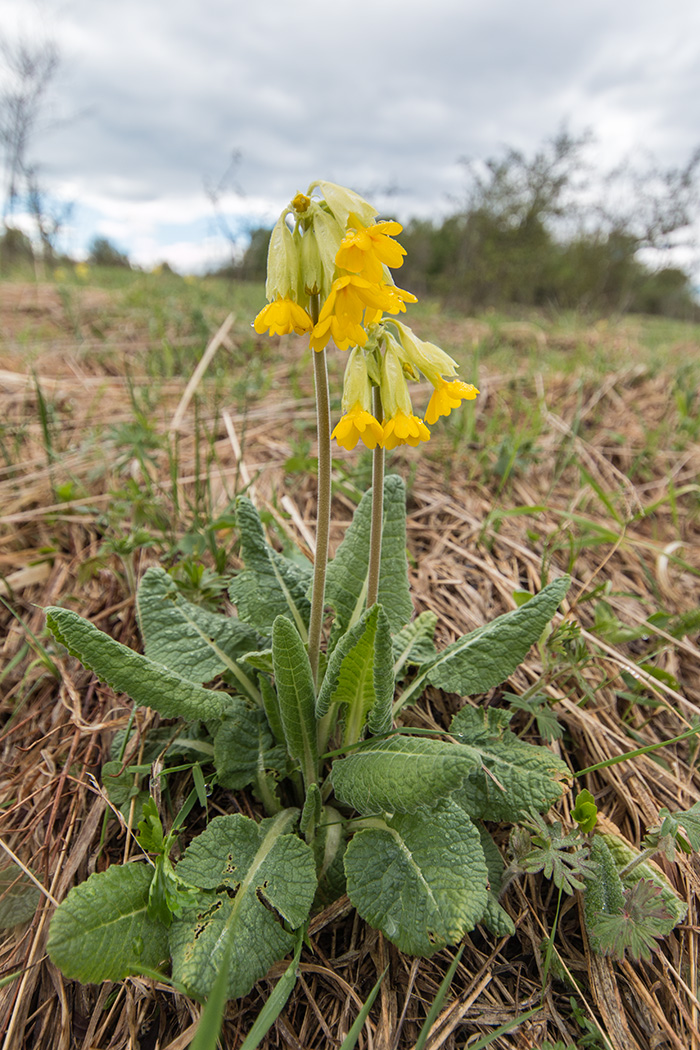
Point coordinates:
pixel 438 1001
pixel 351 1038
pixel 276 1002
pixel 209 1027
pixel 502 1030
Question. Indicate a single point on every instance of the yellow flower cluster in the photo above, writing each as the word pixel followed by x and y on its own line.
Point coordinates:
pixel 329 276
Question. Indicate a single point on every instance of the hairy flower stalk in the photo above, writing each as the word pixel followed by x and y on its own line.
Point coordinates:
pixel 323 512
pixel 375 536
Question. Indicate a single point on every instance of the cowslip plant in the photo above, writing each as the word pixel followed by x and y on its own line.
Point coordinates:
pixel 307 718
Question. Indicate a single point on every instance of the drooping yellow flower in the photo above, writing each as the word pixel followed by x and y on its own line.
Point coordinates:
pixel 401 426
pixel 365 250
pixel 342 313
pixel 403 429
pixel 434 363
pixel 358 424
pixel 282 317
pixel 447 396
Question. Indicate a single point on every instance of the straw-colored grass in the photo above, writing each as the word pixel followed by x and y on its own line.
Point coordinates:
pixel 581 454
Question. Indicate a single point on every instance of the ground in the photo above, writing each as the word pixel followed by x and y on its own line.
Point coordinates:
pixel 581 455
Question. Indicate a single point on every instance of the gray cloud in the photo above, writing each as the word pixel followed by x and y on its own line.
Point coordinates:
pixel 366 92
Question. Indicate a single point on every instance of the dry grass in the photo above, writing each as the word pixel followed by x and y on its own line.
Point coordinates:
pixel 467 560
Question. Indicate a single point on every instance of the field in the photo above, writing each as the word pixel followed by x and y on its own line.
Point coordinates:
pixel 581 454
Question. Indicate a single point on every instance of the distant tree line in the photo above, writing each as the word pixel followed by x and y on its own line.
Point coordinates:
pixel 536 232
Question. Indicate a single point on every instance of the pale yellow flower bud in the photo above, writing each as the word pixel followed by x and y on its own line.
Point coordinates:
pixel 283 263
pixel 343 201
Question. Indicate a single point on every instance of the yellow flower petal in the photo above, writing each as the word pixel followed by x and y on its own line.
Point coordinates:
pixel 447 396
pixel 403 429
pixel 358 424
pixel 282 317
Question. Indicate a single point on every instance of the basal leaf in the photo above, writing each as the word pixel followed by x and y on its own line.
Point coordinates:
pixel 516 777
pixel 401 774
pixel 195 643
pixel 420 878
pixel 413 645
pixel 360 676
pixel 148 683
pixel 486 656
pixel 346 579
pixel 253 878
pixel 245 748
pixel 101 931
pixel 19 896
pixel 495 918
pixel 297 697
pixel 270 585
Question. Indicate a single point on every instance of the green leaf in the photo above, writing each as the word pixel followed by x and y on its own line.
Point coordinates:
pixel 486 656
pixel 560 857
pixel 689 825
pixel 401 773
pixel 244 747
pixel 102 932
pixel 413 645
pixel 329 847
pixel 495 918
pixel 184 637
pixel 253 878
pixel 270 585
pixel 623 855
pixel 19 897
pixel 126 671
pixel 346 578
pixel 297 697
pixel 420 878
pixel 515 777
pixel 360 676
pixel 604 892
pixel 585 812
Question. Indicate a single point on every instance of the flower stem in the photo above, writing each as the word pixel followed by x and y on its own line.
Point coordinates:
pixel 375 536
pixel 323 516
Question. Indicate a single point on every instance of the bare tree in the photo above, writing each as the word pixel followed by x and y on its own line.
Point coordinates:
pixel 27 67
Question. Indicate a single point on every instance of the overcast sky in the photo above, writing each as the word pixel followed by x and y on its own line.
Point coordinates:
pixel 153 96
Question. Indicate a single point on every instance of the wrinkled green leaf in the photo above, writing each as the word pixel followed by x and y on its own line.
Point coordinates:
pixel 516 777
pixel 244 747
pixel 486 656
pixel 19 897
pixel 495 918
pixel 184 637
pixel 420 878
pixel 102 932
pixel 297 697
pixel 254 879
pixel 270 585
pixel 401 773
pixel 360 676
pixel 126 671
pixel 413 645
pixel 347 575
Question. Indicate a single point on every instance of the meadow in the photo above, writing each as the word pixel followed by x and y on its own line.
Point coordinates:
pixel 581 454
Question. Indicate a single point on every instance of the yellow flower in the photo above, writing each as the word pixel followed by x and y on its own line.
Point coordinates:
pixel 365 250
pixel 282 317
pixel 342 313
pixel 404 429
pixel 401 427
pixel 447 396
pixel 358 424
